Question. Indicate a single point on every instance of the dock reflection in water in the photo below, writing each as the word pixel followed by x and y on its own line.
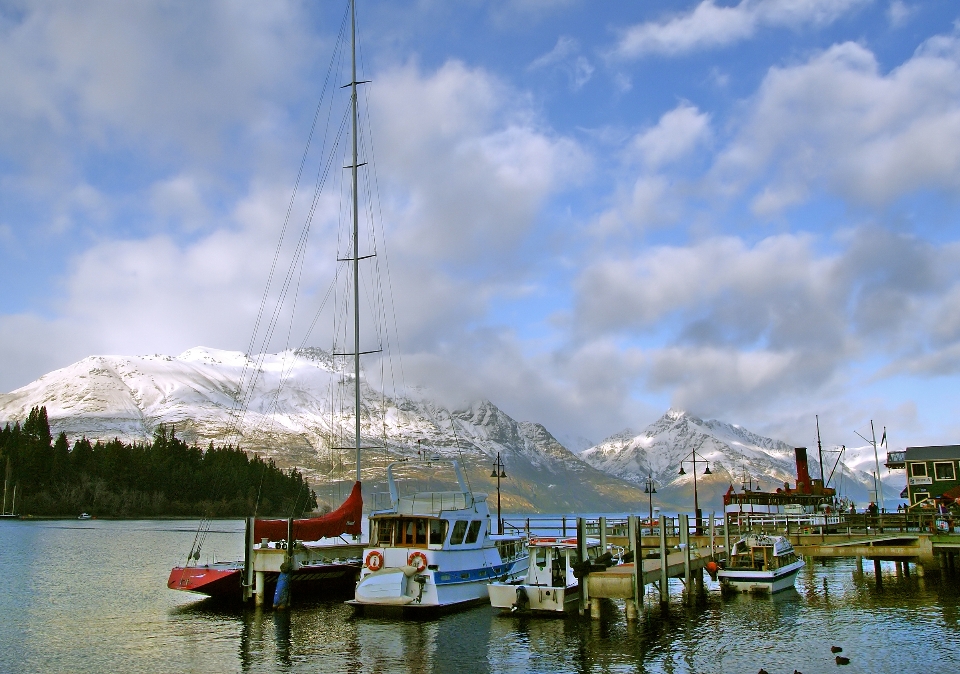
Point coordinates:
pixel 90 597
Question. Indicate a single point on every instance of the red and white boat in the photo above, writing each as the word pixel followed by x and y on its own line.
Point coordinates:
pixel 318 566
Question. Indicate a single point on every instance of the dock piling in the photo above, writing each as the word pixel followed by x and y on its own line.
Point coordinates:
pixel 664 578
pixel 633 541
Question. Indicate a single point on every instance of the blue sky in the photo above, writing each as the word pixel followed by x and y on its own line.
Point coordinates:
pixel 748 210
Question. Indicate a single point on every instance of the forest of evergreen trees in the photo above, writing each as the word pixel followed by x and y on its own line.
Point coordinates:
pixel 164 478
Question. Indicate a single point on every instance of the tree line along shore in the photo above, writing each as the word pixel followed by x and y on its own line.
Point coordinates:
pixel 165 478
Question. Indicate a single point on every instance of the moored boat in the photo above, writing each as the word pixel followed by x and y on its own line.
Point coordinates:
pixel 760 563
pixel 318 562
pixel 552 584
pixel 434 551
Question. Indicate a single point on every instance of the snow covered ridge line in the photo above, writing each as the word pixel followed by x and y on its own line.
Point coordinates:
pixel 734 454
pixel 128 397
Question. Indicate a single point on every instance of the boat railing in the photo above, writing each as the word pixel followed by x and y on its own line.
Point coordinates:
pixel 424 503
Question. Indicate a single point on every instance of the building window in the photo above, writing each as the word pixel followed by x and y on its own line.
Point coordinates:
pixel 943 470
pixel 920 496
pixel 918 469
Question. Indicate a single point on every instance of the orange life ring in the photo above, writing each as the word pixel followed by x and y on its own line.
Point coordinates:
pixel 417 559
pixel 374 560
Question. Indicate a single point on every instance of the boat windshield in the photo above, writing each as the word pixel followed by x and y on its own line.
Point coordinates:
pixel 409 531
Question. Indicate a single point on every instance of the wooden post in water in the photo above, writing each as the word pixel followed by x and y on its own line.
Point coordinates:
pixel 726 535
pixel 664 579
pixel 713 532
pixel 248 573
pixel 685 547
pixel 876 572
pixel 633 543
pixel 582 558
pixel 859 565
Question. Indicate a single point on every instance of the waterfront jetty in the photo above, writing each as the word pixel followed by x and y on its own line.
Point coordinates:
pixel 669 547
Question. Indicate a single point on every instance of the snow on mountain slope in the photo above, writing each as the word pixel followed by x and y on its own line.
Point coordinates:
pixel 300 412
pixel 733 453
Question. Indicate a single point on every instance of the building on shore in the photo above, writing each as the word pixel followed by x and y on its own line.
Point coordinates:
pixel 932 472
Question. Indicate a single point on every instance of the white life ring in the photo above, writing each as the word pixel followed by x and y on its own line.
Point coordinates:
pixel 417 559
pixel 374 560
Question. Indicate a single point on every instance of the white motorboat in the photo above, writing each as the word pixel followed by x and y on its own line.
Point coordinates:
pixel 434 551
pixel 551 584
pixel 760 563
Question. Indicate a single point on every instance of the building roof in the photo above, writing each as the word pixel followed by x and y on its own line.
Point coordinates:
pixel 933 453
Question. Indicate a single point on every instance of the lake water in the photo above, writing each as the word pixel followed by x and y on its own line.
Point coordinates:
pixel 91 596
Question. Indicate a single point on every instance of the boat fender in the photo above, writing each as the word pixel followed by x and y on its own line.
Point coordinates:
pixel 522 600
pixel 374 560
pixel 281 597
pixel 712 568
pixel 418 560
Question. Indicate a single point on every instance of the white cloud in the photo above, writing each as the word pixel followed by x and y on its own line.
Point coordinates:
pixel 898 12
pixel 836 123
pixel 474 163
pixel 566 57
pixel 709 25
pixel 736 326
pixel 677 133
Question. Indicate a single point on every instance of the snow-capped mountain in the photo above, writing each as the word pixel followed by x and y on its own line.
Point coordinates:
pixel 734 454
pixel 299 411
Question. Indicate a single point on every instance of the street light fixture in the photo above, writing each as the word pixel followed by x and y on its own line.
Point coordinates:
pixel 650 490
pixel 696 504
pixel 498 472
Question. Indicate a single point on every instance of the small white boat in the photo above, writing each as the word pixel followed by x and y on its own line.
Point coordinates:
pixel 551 584
pixel 84 516
pixel 760 563
pixel 434 551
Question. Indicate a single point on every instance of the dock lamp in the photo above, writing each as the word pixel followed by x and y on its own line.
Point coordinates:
pixel 498 472
pixel 650 490
pixel 696 505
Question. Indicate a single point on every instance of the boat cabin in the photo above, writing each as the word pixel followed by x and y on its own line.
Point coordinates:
pixel 761 553
pixel 552 561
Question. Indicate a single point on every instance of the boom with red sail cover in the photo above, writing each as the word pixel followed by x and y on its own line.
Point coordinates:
pixel 343 520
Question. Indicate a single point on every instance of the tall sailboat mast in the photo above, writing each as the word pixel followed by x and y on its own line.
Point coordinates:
pixel 356 237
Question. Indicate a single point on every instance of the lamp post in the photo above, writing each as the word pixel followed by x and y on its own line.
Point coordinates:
pixel 650 490
pixel 498 472
pixel 696 504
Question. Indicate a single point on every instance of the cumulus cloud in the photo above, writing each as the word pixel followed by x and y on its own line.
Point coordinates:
pixel 737 321
pixel 652 192
pixel 837 123
pixel 710 25
pixel 566 57
pixel 473 165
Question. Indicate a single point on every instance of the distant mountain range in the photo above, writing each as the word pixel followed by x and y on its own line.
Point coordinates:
pixel 298 412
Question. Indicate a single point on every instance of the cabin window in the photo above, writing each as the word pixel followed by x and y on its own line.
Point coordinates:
pixel 943 470
pixel 474 532
pixel 384 533
pixel 438 529
pixel 459 529
pixel 540 557
pixel 918 469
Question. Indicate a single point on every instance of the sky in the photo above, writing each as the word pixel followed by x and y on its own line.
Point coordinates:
pixel 589 212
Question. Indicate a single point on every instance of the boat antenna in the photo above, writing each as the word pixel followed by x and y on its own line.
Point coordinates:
pixel 820 452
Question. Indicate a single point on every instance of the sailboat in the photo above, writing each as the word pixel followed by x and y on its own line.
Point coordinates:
pixel 300 548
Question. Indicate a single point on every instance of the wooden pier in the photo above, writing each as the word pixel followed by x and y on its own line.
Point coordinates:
pixel 670 548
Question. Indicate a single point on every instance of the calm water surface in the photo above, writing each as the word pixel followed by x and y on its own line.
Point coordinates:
pixel 91 597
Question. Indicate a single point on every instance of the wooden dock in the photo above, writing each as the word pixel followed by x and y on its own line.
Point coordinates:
pixel 670 549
